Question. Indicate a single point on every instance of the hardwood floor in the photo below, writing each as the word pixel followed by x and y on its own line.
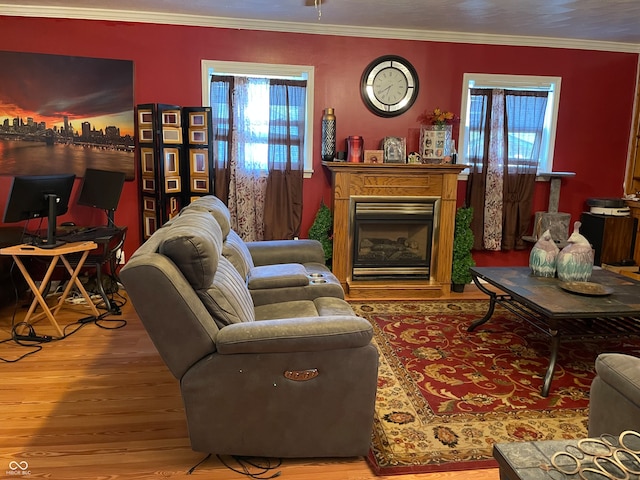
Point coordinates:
pixel 101 404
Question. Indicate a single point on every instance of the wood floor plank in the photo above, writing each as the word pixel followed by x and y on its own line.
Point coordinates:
pixel 101 404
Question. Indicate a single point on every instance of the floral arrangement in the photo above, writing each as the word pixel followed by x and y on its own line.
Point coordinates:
pixel 438 117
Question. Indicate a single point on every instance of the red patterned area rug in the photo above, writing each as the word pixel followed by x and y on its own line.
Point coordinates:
pixel 445 395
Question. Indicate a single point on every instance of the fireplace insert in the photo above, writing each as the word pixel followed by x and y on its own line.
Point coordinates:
pixel 392 239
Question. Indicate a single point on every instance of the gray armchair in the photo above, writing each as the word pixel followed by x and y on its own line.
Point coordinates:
pixel 293 378
pixel 614 403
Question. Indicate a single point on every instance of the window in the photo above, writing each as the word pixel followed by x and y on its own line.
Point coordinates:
pixel 258 113
pixel 526 139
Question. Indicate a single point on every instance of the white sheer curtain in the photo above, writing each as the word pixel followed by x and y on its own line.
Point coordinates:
pixel 247 163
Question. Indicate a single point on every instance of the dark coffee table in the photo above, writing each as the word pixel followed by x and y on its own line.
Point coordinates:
pixel 542 302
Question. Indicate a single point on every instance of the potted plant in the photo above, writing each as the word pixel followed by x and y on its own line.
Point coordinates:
pixel 462 244
pixel 321 230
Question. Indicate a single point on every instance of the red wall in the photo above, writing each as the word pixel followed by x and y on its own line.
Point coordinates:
pixel 595 103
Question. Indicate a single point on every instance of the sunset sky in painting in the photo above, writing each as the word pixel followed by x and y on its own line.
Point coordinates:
pixel 48 87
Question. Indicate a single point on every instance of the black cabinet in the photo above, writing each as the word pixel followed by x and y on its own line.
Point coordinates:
pixel 612 237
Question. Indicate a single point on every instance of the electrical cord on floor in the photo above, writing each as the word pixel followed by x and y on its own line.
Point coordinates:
pixel 244 466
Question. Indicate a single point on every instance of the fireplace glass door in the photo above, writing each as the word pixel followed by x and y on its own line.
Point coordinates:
pixel 392 239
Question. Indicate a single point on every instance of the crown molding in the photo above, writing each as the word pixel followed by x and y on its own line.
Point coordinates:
pixel 311 28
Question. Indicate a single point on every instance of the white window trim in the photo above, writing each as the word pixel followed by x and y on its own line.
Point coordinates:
pixel 529 82
pixel 268 70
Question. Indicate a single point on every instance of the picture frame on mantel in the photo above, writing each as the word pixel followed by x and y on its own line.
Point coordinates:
pixel 395 149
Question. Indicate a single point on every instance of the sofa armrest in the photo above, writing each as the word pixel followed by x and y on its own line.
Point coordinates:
pixel 285 251
pixel 308 334
pixel 622 373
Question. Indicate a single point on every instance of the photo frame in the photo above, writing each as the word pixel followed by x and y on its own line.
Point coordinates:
pixel 197 136
pixel 146 135
pixel 172 185
pixel 171 118
pixel 145 117
pixel 150 223
pixel 171 161
pixel 200 185
pixel 395 149
pixel 197 119
pixel 147 161
pixel 149 185
pixel 149 204
pixel 171 135
pixel 199 163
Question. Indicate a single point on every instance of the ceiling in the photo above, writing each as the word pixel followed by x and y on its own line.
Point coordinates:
pixel 599 24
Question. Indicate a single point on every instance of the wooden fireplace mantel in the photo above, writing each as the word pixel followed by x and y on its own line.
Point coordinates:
pixel 394 180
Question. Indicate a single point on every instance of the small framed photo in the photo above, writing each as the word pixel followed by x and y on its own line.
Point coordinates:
pixel 200 185
pixel 172 185
pixel 171 135
pixel 146 135
pixel 146 159
pixel 197 119
pixel 150 224
pixel 395 149
pixel 145 117
pixel 171 118
pixel 149 204
pixel 199 164
pixel 171 161
pixel 197 136
pixel 373 156
pixel 149 185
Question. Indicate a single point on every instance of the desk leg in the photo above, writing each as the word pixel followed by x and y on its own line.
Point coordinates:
pixel 37 292
pixel 492 305
pixel 76 281
pixel 555 344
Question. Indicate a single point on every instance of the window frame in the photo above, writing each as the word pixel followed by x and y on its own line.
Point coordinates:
pixel 268 70
pixel 513 82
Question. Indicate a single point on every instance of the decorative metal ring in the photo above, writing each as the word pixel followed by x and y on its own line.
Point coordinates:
pixel 609 439
pixel 624 436
pixel 582 445
pixel 600 463
pixel 634 459
pixel 588 474
pixel 562 468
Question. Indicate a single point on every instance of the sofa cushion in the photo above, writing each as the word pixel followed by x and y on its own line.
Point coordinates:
pixel 278 276
pixel 193 243
pixel 227 299
pixel 235 250
pixel 215 207
pixel 621 372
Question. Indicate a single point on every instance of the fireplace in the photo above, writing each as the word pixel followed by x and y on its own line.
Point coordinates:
pixel 392 238
pixel 396 184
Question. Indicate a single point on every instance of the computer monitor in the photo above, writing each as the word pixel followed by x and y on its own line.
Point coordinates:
pixel 37 196
pixel 101 189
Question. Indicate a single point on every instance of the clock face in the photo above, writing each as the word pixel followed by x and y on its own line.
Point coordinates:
pixel 389 86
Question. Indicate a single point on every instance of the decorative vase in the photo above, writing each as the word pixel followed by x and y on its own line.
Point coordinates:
pixel 355 149
pixel 328 135
pixel 543 256
pixel 435 143
pixel 575 261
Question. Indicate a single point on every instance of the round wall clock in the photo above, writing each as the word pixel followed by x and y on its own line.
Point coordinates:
pixel 389 86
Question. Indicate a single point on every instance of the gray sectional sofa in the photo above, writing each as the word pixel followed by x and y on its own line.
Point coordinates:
pixel 279 369
pixel 614 399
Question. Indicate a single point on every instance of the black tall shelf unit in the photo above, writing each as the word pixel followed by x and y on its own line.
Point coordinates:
pixel 174 152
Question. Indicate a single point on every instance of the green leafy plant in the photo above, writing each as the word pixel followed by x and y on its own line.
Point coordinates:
pixel 462 245
pixel 321 230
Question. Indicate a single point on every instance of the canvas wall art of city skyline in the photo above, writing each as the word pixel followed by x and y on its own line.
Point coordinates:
pixel 64 114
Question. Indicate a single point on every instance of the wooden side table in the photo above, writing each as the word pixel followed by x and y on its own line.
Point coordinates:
pixel 55 255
